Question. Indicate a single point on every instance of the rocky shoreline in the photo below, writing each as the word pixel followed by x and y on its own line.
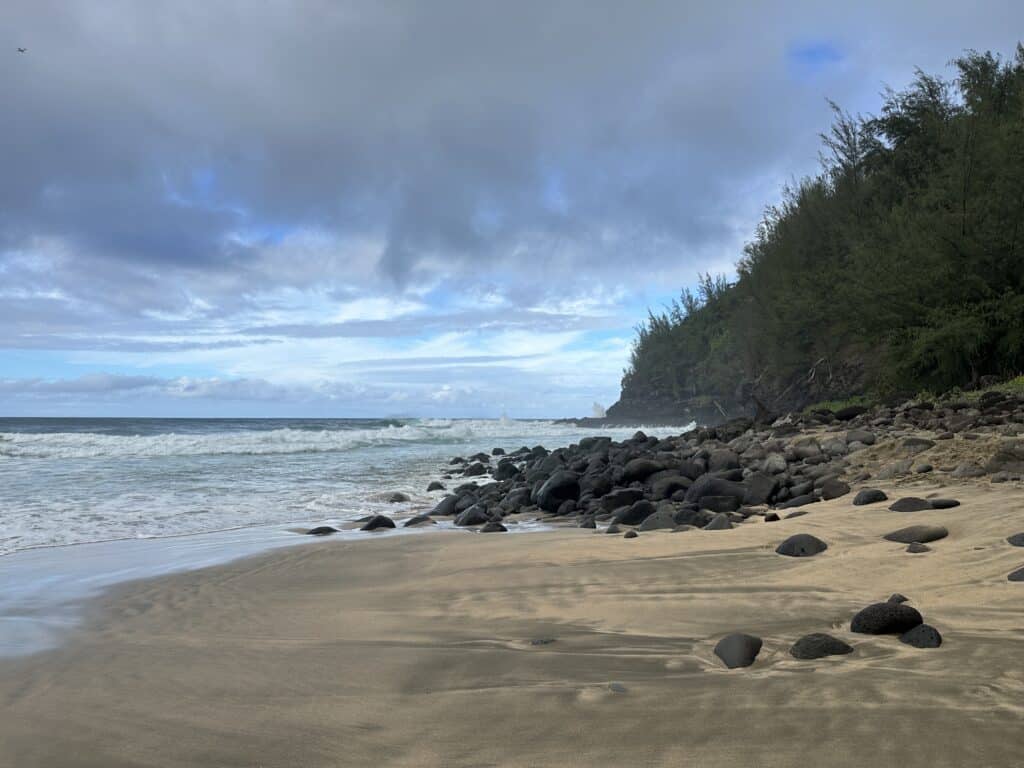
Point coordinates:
pixel 741 473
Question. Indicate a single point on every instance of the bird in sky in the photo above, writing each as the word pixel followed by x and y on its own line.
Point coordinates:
pixel 23 50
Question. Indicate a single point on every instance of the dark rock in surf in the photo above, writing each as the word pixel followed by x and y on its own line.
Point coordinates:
pixel 493 527
pixel 885 619
pixel 922 636
pixel 818 645
pixel 378 521
pixel 435 485
pixel 321 530
pixel 738 650
pixel 419 520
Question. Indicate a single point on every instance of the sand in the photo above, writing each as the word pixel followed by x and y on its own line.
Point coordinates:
pixel 417 651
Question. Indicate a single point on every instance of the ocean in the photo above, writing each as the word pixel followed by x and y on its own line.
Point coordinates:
pixel 87 503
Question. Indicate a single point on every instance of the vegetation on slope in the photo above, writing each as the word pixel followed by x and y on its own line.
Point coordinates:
pixel 900 267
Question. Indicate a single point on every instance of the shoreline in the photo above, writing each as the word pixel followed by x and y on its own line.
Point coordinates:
pixel 575 647
pixel 421 651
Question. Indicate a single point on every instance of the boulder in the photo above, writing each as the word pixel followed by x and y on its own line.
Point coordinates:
pixel 475 470
pixel 860 436
pixel 886 619
pixel 435 485
pixel 919 533
pixel 635 513
pixel 850 412
pixel 761 488
pixel 709 485
pixel 910 504
pixel 922 636
pixel 968 469
pixel 378 521
pixel 723 458
pixel 719 503
pixel 475 515
pixel 719 522
pixel 419 520
pixel 801 545
pixel 398 497
pixel 916 445
pixel 621 497
pixel 818 645
pixel 640 469
pixel 799 501
pixel 446 507
pixel 661 519
pixel 833 489
pixel 738 650
pixel 869 496
pixel 664 487
pixel 493 527
pixel 560 487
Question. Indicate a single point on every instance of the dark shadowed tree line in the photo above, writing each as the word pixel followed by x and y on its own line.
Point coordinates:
pixel 898 268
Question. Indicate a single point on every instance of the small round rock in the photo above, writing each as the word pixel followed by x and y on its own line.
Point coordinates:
pixel 738 650
pixel 801 545
pixel 922 636
pixel 630 535
pixel 493 527
pixel 818 645
pixel 321 530
pixel 378 521
pixel 917 548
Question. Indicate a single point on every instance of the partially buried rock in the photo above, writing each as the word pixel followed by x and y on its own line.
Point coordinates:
pixel 494 527
pixel 1017 540
pixel 475 515
pixel 435 485
pixel 897 598
pixel 771 517
pixel 917 533
pixel 398 497
pixel 738 650
pixel 1017 575
pixel 613 528
pixel 818 645
pixel 630 535
pixel 662 519
pixel 869 496
pixel 917 548
pixel 833 489
pixel 922 636
pixel 886 619
pixel 419 520
pixel 800 501
pixel 910 504
pixel 378 521
pixel 943 503
pixel 321 530
pixel 719 522
pixel 801 545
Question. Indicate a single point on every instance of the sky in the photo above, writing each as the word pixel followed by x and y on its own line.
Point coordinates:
pixel 399 207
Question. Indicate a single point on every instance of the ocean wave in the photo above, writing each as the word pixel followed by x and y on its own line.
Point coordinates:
pixel 288 440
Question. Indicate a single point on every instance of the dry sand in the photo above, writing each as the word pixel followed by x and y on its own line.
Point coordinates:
pixel 416 652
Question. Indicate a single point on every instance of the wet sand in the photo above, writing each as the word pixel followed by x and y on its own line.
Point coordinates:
pixel 417 651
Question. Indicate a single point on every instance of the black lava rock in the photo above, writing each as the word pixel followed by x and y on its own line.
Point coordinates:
pixel 719 522
pixel 833 489
pixel 378 521
pixel 1017 575
pixel 630 535
pixel 738 650
pixel 561 486
pixel 910 504
pixel 918 533
pixel 886 619
pixel 419 520
pixel 801 545
pixel 435 485
pixel 897 598
pixel 818 645
pixel 1017 540
pixel 922 636
pixel 321 530
pixel 493 527
pixel 944 503
pixel 917 548
pixel 475 515
pixel 869 496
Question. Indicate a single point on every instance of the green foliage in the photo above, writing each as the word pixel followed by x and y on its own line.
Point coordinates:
pixel 899 267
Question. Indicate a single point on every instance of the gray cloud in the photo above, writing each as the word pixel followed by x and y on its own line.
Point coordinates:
pixel 183 176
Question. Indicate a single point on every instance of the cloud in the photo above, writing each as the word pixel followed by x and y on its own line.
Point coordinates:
pixel 278 190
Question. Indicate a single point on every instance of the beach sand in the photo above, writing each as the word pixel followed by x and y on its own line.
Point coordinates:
pixel 416 651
